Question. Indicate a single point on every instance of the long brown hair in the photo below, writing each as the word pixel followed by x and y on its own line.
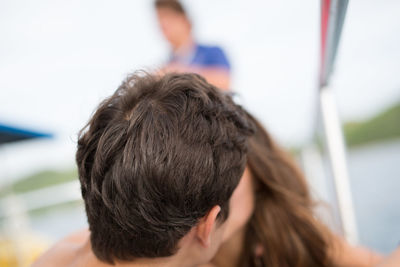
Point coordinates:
pixel 283 223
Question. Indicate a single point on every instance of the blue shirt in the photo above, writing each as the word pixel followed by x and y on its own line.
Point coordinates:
pixel 205 57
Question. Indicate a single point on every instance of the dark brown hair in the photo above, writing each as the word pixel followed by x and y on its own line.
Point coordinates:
pixel 173 5
pixel 154 158
pixel 283 223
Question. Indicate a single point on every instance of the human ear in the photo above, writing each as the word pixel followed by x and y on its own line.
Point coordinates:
pixel 205 226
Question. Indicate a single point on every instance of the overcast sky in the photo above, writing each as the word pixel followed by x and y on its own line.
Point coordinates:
pixel 58 59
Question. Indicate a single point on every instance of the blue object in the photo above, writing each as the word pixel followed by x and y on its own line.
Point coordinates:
pixel 10 134
pixel 205 57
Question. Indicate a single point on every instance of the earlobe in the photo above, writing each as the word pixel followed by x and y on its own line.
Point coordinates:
pixel 205 226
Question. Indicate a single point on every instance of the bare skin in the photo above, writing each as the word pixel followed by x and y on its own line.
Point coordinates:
pixel 195 248
pixel 216 76
pixel 243 200
pixel 75 250
pixel 228 255
pixel 348 255
pixel 393 260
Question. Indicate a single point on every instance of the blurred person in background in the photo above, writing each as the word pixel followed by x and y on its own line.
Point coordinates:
pixel 187 55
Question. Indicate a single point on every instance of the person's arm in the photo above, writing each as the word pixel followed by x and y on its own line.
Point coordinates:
pixel 219 77
pixel 216 76
pixel 393 260
pixel 345 254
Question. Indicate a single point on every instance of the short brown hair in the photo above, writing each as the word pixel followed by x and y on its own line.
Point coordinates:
pixel 155 157
pixel 173 5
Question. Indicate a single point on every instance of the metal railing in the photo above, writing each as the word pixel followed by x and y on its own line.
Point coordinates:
pixel 333 13
pixel 23 203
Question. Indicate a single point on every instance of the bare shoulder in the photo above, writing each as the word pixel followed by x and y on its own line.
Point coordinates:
pixel 78 237
pixel 64 252
pixel 393 260
pixel 346 254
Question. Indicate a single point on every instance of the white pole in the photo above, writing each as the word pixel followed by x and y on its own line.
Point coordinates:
pixel 337 155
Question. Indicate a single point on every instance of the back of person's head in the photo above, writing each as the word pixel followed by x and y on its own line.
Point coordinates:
pixel 154 158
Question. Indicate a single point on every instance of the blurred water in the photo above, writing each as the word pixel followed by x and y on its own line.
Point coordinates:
pixel 374 172
pixel 59 222
pixel 375 181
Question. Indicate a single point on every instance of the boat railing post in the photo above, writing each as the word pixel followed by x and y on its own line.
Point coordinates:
pixel 337 156
pixel 333 13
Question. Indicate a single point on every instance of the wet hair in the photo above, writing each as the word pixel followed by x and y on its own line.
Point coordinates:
pixel 173 5
pixel 283 223
pixel 154 158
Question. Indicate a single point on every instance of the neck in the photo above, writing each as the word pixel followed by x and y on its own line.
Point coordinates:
pixel 229 253
pixel 90 259
pixel 158 262
pixel 184 46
